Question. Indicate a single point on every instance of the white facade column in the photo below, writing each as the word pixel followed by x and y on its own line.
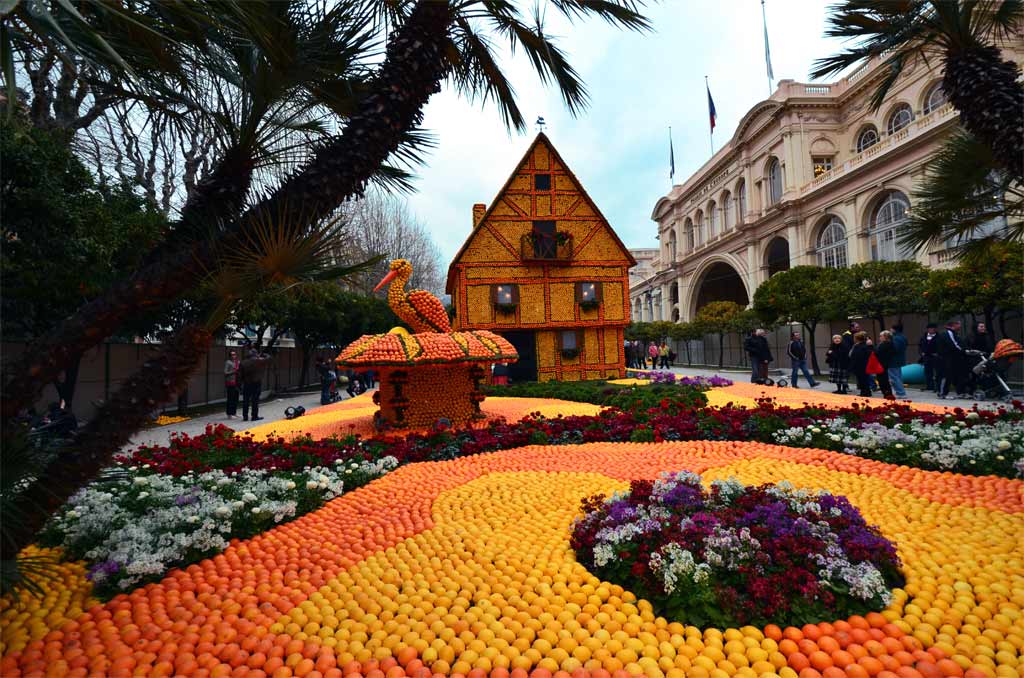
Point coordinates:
pixel 684 308
pixel 753 272
pixel 793 239
pixel 666 301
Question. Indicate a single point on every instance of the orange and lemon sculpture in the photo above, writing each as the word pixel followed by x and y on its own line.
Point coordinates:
pixel 432 375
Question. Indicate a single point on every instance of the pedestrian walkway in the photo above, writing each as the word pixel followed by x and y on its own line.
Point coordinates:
pixel 914 392
pixel 272 409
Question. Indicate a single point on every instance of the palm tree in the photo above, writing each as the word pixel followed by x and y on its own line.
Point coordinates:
pixel 965 201
pixel 962 35
pixel 430 41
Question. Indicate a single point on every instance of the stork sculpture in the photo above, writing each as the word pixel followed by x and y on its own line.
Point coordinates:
pixel 419 309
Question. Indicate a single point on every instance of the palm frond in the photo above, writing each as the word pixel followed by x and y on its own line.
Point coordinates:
pixel 623 13
pixel 964 201
pixel 27 574
pixel 477 73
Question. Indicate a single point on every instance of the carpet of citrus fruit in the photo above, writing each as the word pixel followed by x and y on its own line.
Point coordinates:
pixel 463 567
pixel 355 416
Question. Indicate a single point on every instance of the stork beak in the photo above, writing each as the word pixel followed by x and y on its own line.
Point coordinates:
pixel 388 278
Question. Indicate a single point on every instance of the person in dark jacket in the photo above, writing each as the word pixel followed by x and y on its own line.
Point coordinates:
pixel 928 349
pixel 761 356
pixel 954 360
pixel 327 377
pixel 886 354
pixel 231 383
pixel 251 373
pixel 838 360
pixel 749 347
pixel 859 356
pixel 982 340
pixel 797 353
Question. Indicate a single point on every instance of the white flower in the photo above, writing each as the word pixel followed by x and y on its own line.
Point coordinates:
pixel 899 446
pixel 141 480
pixel 221 482
pixel 311 485
pixel 192 519
pixel 71 514
pixel 972 416
pixel 238 504
pixel 815 429
pixel 255 510
pixel 249 497
pixel 348 470
pixel 290 485
pixel 222 511
pixel 1000 457
pixel 1003 445
pixel 143 495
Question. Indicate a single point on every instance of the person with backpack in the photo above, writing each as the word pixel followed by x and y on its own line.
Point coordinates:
pixel 798 359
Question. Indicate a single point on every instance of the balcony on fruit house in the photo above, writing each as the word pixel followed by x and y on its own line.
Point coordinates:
pixel 546 248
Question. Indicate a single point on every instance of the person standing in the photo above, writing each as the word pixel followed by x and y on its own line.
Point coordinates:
pixel 954 359
pixel 652 352
pixel 838 359
pixel 763 355
pixel 750 346
pixel 899 359
pixel 231 366
pixel 982 340
pixel 251 371
pixel 627 351
pixel 928 349
pixel 797 353
pixel 327 377
pixel 860 355
pixel 663 355
pixel 885 353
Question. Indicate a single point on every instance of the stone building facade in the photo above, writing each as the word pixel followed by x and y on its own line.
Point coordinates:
pixel 812 175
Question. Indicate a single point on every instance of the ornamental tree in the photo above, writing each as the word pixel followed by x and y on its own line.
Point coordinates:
pixel 801 295
pixel 994 289
pixel 876 289
pixel 718 317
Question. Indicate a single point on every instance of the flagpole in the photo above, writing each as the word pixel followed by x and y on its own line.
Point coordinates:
pixel 711 130
pixel 671 160
pixel 767 51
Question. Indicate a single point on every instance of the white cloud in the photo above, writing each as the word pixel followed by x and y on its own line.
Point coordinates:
pixel 639 84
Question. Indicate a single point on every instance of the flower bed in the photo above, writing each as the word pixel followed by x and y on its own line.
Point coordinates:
pixel 735 555
pixel 465 565
pixel 666 377
pixel 134 529
pixel 600 392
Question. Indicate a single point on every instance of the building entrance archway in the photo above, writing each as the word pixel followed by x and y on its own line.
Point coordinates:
pixel 720 282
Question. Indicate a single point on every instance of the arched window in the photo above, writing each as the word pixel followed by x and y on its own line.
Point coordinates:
pixel 698 227
pixel 867 138
pixel 886 220
pixel 774 181
pixel 727 220
pixel 672 244
pixel 741 201
pixel 935 98
pixel 712 220
pixel 831 246
pixel 690 242
pixel 899 118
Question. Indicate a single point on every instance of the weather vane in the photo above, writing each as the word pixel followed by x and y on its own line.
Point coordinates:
pixel 540 123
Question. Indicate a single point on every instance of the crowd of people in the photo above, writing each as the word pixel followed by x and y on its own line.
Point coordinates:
pixel 652 356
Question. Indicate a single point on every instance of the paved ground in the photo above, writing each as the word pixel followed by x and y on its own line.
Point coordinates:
pixel 915 393
pixel 271 410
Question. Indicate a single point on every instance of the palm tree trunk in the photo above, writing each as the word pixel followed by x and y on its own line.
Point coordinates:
pixel 986 91
pixel 155 383
pixel 415 64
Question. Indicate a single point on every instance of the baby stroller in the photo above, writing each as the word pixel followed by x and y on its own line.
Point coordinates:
pixel 990 372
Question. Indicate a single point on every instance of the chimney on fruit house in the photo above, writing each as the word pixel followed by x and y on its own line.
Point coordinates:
pixel 478 213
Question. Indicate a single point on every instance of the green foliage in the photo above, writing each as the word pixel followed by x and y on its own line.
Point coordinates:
pixel 995 284
pixel 882 288
pixel 636 399
pixel 718 316
pixel 65 240
pixel 797 296
pixel 966 199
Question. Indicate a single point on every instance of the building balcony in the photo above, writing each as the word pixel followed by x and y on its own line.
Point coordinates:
pixel 884 145
pixel 547 250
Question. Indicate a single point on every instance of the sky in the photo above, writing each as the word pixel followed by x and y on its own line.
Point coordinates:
pixel 640 84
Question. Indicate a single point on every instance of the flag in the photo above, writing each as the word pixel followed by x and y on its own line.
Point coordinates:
pixel 711 109
pixel 671 157
pixel 767 51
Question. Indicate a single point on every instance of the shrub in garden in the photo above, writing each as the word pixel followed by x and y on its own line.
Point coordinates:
pixel 736 555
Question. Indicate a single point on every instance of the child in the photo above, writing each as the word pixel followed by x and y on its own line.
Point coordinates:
pixel 838 358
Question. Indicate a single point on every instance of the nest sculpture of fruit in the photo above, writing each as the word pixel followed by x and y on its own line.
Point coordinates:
pixel 433 375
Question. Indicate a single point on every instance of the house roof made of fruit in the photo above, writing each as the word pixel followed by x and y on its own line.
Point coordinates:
pixel 425 348
pixel 540 139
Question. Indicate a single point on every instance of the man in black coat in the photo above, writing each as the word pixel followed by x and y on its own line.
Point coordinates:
pixel 761 355
pixel 954 359
pixel 928 348
pixel 251 372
